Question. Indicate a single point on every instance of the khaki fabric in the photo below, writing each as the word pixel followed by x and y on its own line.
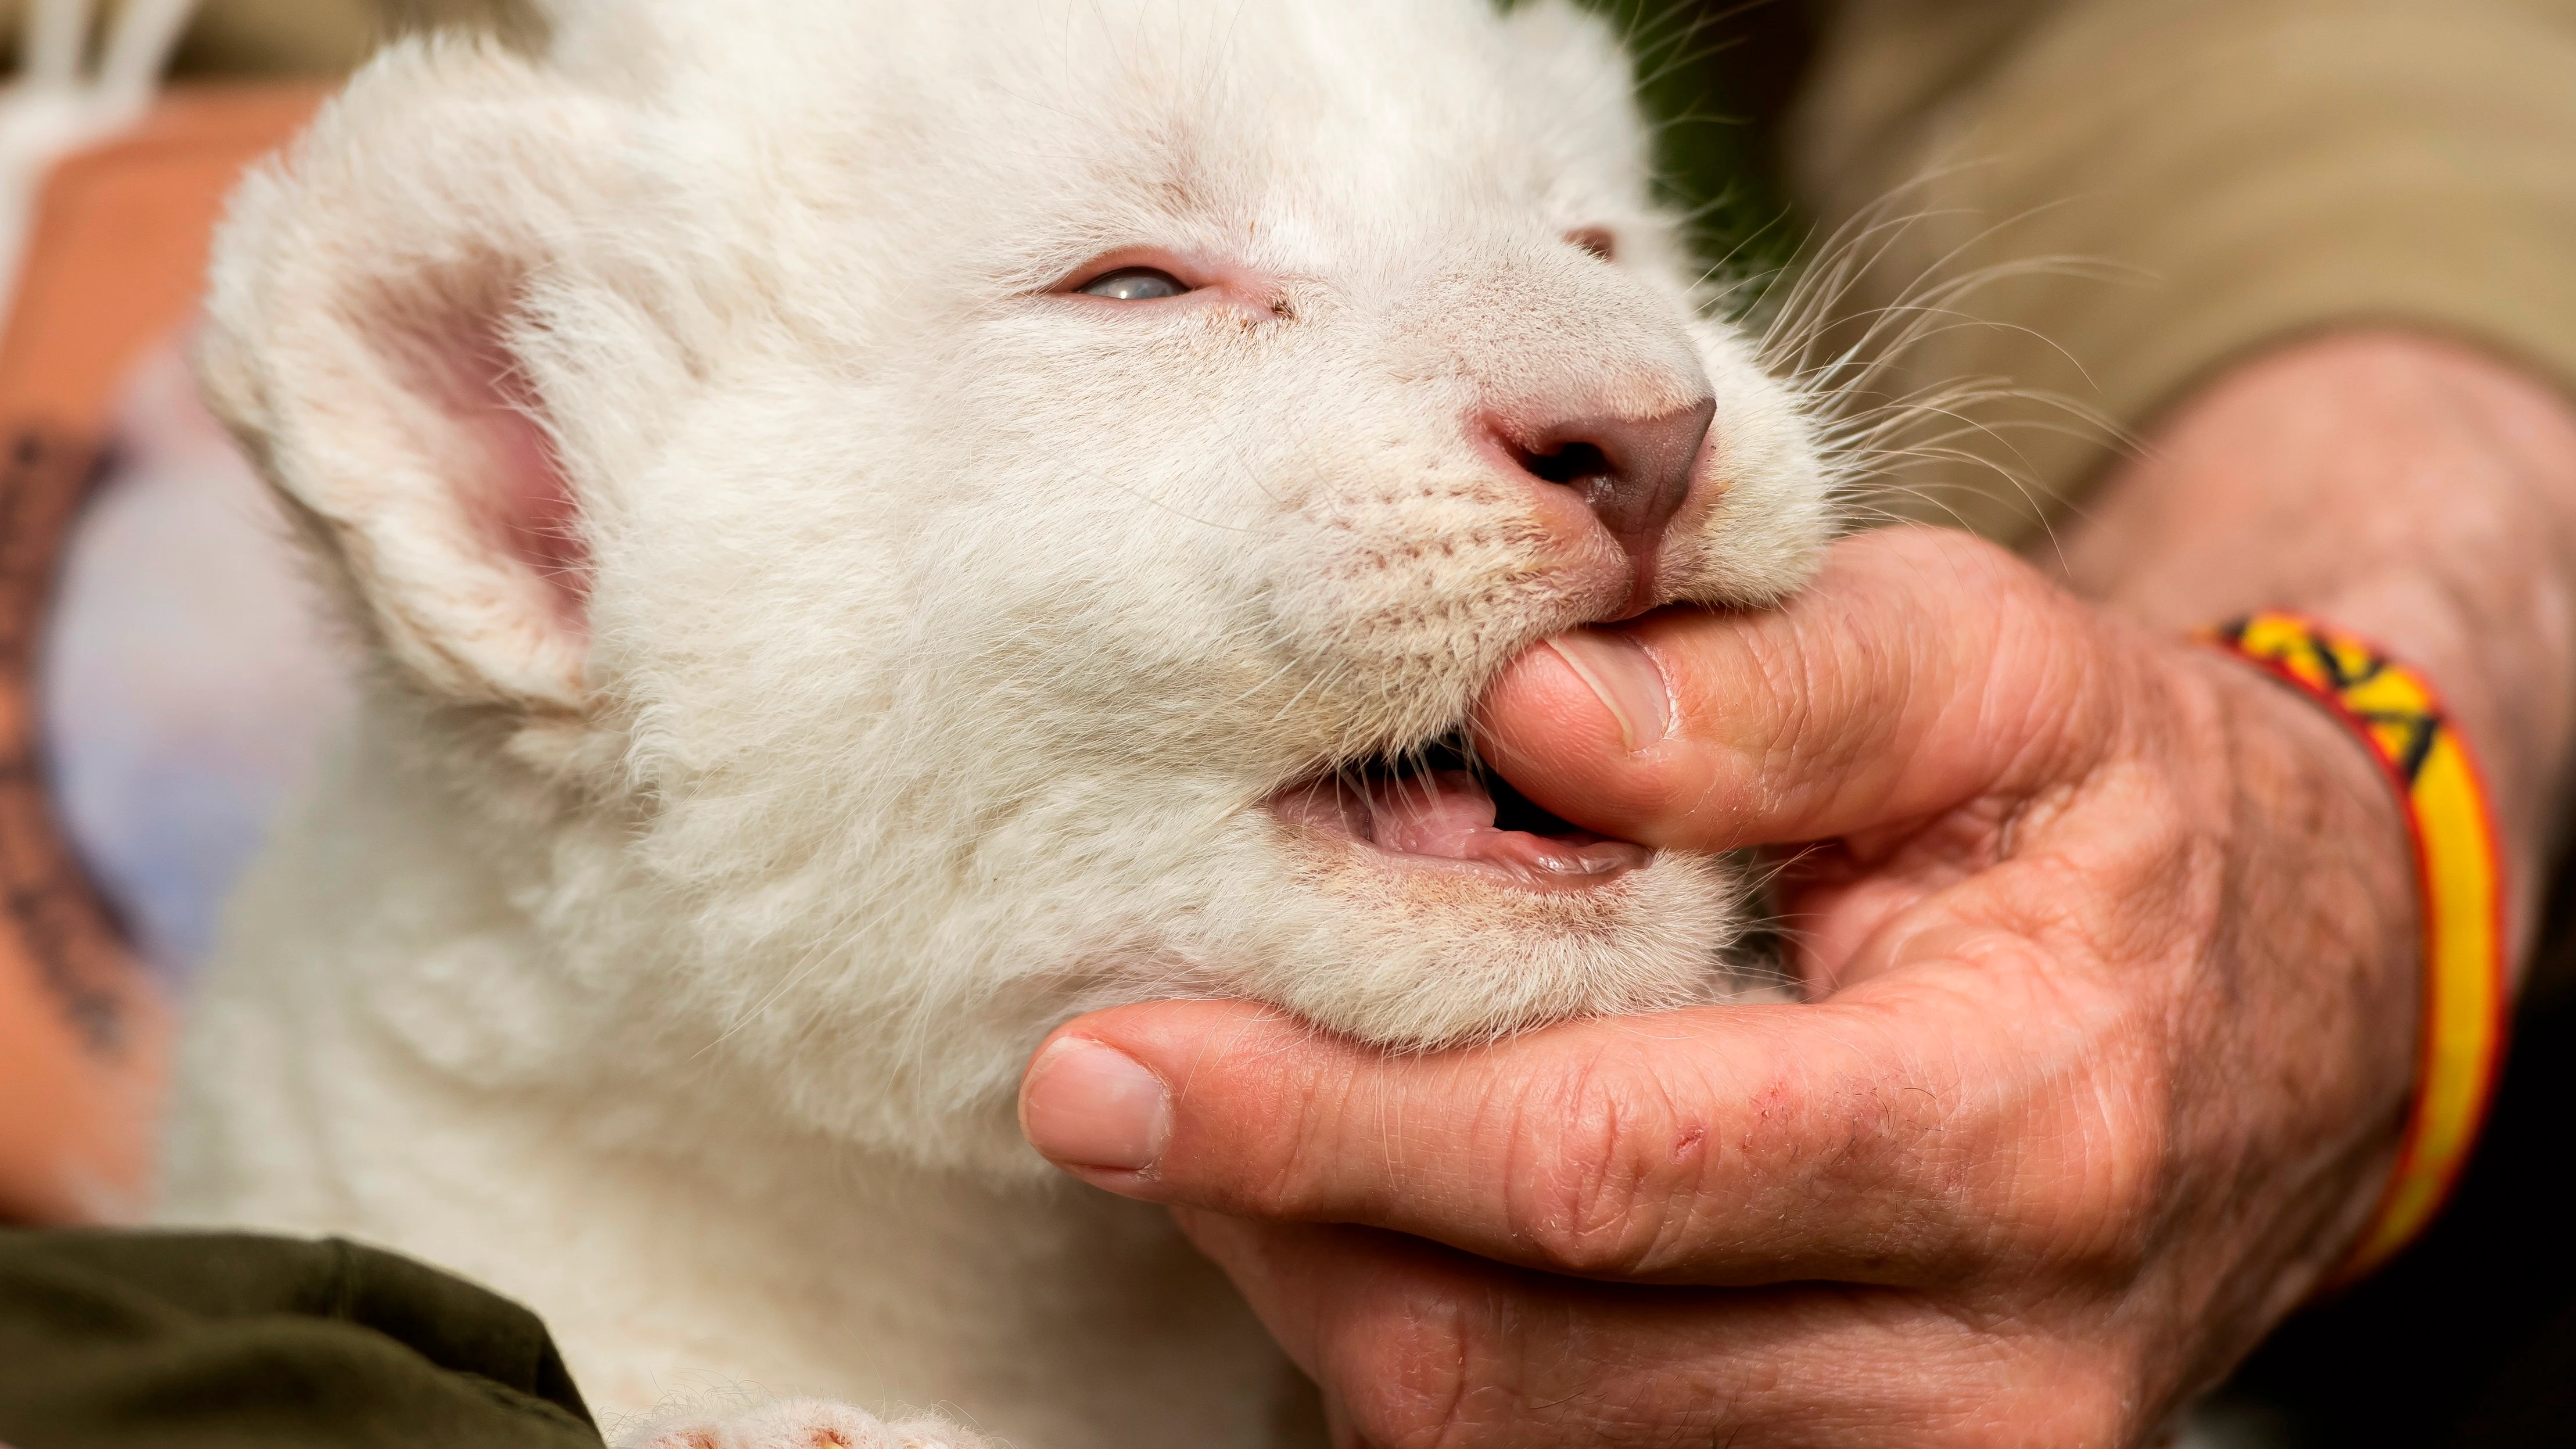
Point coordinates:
pixel 297 37
pixel 2249 170
pixel 247 37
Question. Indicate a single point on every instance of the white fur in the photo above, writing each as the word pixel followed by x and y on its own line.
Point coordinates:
pixel 665 952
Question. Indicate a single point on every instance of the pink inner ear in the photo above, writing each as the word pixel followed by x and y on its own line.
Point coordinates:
pixel 518 494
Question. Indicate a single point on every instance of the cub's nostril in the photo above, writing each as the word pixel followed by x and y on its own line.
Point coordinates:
pixel 1634 473
pixel 1569 464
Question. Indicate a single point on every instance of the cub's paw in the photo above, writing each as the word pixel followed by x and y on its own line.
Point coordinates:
pixel 795 1424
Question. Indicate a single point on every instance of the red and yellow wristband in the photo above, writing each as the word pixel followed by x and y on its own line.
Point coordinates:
pixel 2459 874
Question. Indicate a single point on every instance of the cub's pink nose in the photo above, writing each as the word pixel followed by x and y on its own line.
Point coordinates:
pixel 1633 473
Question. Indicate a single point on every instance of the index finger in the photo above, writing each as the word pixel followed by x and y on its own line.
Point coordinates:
pixel 1920 670
pixel 1890 1135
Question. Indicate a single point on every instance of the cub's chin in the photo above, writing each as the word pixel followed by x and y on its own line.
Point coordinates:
pixel 1434 906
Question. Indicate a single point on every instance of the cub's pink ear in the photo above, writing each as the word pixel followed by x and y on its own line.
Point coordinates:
pixel 374 335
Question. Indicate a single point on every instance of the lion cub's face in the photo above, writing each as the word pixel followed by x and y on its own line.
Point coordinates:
pixel 947 515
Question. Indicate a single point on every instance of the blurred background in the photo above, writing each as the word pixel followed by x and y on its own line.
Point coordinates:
pixel 164 681
pixel 181 684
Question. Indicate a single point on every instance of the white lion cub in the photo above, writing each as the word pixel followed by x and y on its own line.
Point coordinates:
pixel 880 526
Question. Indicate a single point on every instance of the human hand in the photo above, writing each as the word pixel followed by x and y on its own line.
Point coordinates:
pixel 2112 961
pixel 2112 958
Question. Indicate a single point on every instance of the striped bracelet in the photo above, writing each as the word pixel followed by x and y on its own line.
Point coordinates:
pixel 2459 875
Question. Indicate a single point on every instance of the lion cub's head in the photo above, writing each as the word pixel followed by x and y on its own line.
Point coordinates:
pixel 929 517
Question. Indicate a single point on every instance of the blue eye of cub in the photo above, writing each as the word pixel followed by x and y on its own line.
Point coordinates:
pixel 1133 284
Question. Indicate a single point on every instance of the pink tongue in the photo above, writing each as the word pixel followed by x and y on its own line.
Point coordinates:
pixel 1449 815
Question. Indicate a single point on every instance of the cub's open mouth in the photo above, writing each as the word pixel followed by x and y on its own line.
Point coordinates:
pixel 1435 811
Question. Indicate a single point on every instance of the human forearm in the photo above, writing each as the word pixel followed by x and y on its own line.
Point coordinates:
pixel 2411 490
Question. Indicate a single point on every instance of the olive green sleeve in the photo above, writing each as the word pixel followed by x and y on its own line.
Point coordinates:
pixel 2181 183
pixel 114 1340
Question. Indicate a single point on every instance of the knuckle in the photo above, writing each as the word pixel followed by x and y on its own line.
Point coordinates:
pixel 2086 1407
pixel 2009 1383
pixel 1610 1191
pixel 1420 1383
pixel 2092 1196
pixel 2069 1167
pixel 2084 1224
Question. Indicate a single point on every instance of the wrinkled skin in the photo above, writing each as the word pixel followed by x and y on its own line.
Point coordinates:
pixel 2111 946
